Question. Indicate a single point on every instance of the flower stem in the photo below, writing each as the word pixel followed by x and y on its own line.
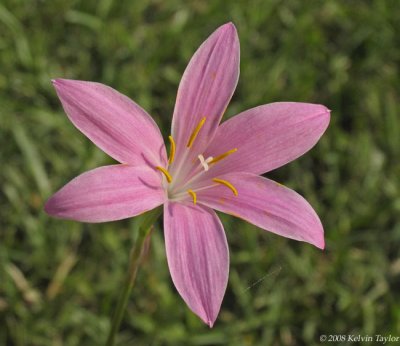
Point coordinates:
pixel 136 255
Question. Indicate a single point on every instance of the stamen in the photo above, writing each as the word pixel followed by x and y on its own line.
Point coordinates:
pixel 165 172
pixel 172 150
pixel 222 156
pixel 195 132
pixel 193 194
pixel 209 159
pixel 227 184
pixel 205 163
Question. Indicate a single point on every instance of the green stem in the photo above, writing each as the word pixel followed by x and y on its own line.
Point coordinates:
pixel 135 258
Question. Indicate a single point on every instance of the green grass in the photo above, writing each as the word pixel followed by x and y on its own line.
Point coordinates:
pixel 59 280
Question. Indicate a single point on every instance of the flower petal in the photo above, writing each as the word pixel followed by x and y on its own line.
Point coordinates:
pixel 198 257
pixel 268 205
pixel 268 136
pixel 206 88
pixel 112 121
pixel 108 193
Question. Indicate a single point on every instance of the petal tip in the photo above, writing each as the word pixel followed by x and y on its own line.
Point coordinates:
pixel 207 319
pixel 63 82
pixel 321 244
pixel 55 82
pixel 319 234
pixel 323 114
pixel 54 208
pixel 327 114
pixel 230 26
pixel 319 109
pixel 49 207
pixel 59 82
pixel 227 29
pixel 319 239
pixel 327 111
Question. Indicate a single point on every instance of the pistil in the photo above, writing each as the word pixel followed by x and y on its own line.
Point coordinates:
pixel 205 162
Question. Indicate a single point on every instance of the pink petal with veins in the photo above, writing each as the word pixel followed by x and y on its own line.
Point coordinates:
pixel 267 205
pixel 198 257
pixel 267 137
pixel 116 124
pixel 108 193
pixel 206 89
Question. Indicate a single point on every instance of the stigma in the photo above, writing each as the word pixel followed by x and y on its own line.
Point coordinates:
pixel 205 162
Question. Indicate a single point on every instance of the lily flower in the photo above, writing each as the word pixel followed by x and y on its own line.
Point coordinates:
pixel 209 166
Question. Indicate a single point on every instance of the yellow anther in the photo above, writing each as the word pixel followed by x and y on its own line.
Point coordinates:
pixel 171 150
pixel 165 172
pixel 193 194
pixel 222 156
pixel 227 184
pixel 195 132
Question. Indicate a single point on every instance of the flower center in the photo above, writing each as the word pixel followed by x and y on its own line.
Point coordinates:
pixel 183 186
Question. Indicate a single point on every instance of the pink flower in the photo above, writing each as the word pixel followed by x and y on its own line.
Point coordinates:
pixel 210 166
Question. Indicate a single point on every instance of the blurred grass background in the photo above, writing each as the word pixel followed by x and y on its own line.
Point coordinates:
pixel 59 280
